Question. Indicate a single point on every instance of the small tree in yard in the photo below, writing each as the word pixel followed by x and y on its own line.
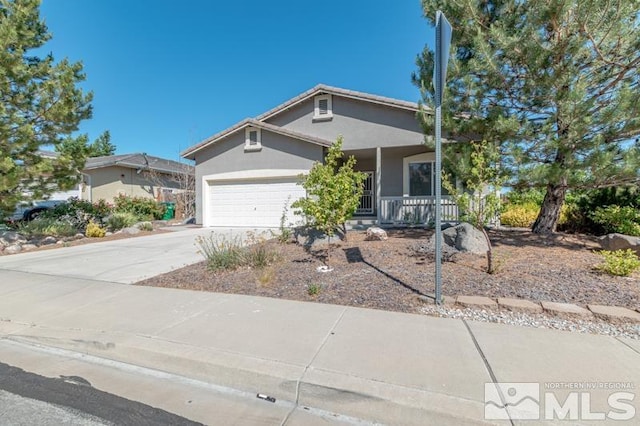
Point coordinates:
pixel 477 164
pixel 333 192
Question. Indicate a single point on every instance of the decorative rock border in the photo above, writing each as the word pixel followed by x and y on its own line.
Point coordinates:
pixel 608 313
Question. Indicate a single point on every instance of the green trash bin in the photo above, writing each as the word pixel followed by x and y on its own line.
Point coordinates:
pixel 170 211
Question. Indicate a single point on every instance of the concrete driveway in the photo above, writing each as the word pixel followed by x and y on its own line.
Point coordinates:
pixel 123 261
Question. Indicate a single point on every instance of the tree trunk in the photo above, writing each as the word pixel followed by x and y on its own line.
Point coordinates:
pixel 550 211
pixel 489 252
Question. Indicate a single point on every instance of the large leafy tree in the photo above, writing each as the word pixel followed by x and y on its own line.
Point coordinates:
pixel 40 105
pixel 80 146
pixel 556 82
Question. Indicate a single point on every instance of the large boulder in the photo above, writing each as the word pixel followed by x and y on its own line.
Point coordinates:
pixel 466 238
pixel 376 234
pixel 620 242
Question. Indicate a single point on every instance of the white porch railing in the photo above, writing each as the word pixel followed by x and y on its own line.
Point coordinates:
pixel 415 210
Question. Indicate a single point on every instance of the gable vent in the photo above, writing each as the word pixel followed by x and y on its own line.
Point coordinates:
pixel 323 106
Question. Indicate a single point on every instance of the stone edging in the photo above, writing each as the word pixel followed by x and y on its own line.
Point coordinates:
pixel 609 313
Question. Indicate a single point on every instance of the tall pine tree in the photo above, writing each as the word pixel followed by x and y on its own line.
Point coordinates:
pixel 556 82
pixel 80 146
pixel 40 105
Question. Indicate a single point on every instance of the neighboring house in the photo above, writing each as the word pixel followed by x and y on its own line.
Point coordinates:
pixel 247 174
pixel 134 175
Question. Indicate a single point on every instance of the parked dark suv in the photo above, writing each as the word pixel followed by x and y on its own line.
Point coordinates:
pixel 29 211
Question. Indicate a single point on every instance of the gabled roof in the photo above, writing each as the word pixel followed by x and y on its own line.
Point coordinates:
pixel 324 89
pixel 138 161
pixel 249 122
pixel 318 90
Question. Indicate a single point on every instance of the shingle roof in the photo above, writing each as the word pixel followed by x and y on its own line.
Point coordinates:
pixel 323 88
pixel 319 89
pixel 249 122
pixel 138 161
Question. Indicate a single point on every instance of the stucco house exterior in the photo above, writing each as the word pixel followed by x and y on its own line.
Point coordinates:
pixel 135 175
pixel 247 174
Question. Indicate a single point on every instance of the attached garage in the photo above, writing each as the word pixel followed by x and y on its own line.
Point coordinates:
pixel 252 202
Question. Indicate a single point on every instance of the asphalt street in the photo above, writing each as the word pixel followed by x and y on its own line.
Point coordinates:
pixel 31 399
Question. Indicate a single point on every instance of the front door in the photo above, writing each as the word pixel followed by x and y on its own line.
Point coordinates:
pixel 367 200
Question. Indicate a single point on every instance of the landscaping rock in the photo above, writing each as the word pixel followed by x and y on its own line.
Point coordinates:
pixel 464 238
pixel 376 234
pixel 48 240
pixel 79 236
pixel 132 230
pixel 620 242
pixel 27 247
pixel 11 237
pixel 13 249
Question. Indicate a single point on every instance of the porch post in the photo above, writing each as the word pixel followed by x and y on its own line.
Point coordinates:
pixel 378 182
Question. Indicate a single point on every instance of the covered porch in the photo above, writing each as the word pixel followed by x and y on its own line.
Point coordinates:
pixel 399 189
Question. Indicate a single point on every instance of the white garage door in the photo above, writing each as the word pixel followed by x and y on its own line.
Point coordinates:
pixel 252 203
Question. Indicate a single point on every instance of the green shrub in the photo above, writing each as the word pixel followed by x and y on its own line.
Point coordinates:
pixel 527 196
pixel 519 215
pixel 143 208
pixel 313 289
pixel 145 226
pixel 619 262
pixel 223 253
pixel 624 220
pixel 119 220
pixel 79 212
pixel 95 231
pixel 46 226
pixel 260 255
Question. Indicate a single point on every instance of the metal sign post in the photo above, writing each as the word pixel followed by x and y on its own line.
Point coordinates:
pixel 443 42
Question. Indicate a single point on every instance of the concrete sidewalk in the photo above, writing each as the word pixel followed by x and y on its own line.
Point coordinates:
pixel 348 364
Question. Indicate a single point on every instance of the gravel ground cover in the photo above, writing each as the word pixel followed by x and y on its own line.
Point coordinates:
pixel 397 275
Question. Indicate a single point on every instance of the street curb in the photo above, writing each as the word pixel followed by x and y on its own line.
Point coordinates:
pixel 315 390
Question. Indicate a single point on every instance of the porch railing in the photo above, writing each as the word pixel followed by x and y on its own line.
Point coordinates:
pixel 415 210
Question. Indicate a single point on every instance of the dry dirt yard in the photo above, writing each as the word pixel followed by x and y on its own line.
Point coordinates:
pixel 393 275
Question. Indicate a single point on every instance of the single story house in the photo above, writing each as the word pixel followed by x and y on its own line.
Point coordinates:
pixel 135 175
pixel 248 174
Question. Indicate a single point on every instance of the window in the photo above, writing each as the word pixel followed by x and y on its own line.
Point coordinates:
pixel 252 139
pixel 322 108
pixel 420 179
pixel 419 176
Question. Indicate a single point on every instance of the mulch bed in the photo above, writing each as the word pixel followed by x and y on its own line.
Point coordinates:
pixel 392 275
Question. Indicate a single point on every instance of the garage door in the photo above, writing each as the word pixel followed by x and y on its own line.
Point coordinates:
pixel 253 203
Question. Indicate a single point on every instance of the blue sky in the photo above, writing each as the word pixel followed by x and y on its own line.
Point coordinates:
pixel 167 74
